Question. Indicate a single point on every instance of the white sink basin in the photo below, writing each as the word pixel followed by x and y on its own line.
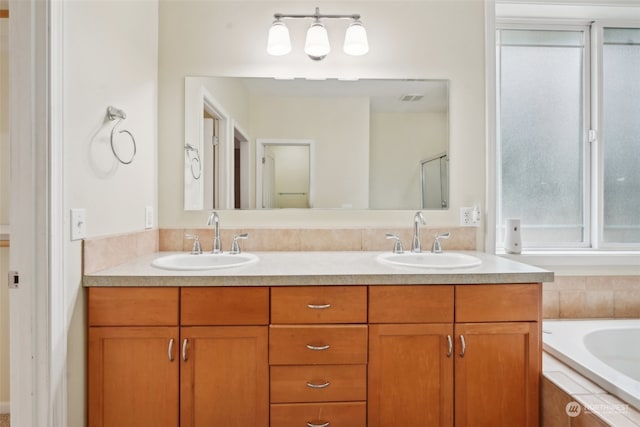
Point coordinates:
pixel 186 261
pixel 430 260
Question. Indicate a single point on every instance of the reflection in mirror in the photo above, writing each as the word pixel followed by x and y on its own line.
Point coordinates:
pixel 369 138
pixel 284 173
pixel 435 176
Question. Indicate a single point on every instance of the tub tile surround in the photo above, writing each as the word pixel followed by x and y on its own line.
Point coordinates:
pixel 562 385
pixel 581 297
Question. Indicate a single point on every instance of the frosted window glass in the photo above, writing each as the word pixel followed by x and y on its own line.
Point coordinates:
pixel 621 135
pixel 540 141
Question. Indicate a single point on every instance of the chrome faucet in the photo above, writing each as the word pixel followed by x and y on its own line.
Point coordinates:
pixel 214 220
pixel 418 219
pixel 235 247
pixel 436 248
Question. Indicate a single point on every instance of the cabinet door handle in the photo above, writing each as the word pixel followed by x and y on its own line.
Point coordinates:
pixel 324 424
pixel 314 385
pixel 319 306
pixel 170 350
pixel 318 347
pixel 464 346
pixel 185 342
pixel 450 348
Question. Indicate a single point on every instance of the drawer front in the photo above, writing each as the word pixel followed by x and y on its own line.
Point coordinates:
pixel 318 383
pixel 338 414
pixel 320 344
pixel 498 303
pixel 224 306
pixel 319 304
pixel 133 306
pixel 411 304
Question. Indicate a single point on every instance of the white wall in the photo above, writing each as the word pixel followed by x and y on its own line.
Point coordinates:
pixel 110 58
pixel 437 39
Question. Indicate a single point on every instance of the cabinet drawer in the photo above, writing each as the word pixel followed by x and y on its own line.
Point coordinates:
pixel 349 414
pixel 309 345
pixel 224 306
pixel 498 303
pixel 318 383
pixel 133 306
pixel 319 304
pixel 411 304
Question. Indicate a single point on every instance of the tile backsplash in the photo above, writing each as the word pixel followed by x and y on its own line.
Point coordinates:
pixel 583 297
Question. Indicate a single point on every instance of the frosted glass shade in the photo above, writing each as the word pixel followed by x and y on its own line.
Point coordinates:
pixel 355 40
pixel 317 44
pixel 279 42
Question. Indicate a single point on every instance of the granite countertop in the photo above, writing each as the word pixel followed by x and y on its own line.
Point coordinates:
pixel 317 268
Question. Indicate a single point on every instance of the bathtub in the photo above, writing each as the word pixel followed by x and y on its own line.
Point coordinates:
pixel 605 351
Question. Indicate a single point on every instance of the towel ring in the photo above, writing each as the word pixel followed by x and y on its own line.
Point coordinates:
pixel 119 115
pixel 195 161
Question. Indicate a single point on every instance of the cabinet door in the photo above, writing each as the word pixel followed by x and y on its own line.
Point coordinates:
pixel 224 376
pixel 410 375
pixel 497 374
pixel 133 377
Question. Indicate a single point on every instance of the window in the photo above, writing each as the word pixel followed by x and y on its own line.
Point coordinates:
pixel 571 188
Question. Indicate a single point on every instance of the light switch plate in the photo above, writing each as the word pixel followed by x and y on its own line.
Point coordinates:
pixel 148 217
pixel 78 224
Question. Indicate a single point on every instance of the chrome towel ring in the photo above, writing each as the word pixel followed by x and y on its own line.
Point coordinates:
pixel 196 169
pixel 119 115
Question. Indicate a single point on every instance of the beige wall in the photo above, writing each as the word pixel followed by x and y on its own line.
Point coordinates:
pixel 110 58
pixel 4 331
pixel 425 39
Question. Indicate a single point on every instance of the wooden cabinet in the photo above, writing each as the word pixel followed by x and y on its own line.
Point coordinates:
pixel 174 357
pixel 318 356
pixel 352 356
pixel 475 361
pixel 224 361
pixel 133 368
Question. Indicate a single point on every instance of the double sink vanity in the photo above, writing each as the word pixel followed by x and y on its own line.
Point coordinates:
pixel 317 339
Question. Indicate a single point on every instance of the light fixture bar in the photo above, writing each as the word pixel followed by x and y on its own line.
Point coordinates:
pixel 316 15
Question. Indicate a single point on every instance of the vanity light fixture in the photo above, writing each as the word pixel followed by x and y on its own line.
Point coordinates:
pixel 317 43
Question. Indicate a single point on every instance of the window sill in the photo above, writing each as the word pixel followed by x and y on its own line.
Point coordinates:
pixel 581 263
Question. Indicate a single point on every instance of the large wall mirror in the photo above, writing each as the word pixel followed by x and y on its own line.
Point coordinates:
pixel 263 143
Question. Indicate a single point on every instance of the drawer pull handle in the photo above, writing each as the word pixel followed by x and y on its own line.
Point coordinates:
pixel 315 424
pixel 318 347
pixel 319 306
pixel 170 350
pixel 185 342
pixel 464 346
pixel 314 385
pixel 450 343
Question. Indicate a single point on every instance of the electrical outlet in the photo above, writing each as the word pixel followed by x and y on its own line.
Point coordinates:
pixel 78 224
pixel 148 217
pixel 470 216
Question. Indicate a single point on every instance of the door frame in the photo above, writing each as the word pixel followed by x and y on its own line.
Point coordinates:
pixel 37 312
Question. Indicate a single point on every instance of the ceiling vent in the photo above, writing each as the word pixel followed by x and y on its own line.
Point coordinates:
pixel 411 98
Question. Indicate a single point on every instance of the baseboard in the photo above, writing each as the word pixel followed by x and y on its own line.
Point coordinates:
pixel 4 407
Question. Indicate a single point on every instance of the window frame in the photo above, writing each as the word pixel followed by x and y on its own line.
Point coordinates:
pixel 592 151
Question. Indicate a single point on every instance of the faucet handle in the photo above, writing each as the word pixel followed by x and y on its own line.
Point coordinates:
pixel 235 247
pixel 437 247
pixel 196 249
pixel 397 245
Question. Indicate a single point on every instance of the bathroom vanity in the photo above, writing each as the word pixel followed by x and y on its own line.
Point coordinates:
pixel 315 339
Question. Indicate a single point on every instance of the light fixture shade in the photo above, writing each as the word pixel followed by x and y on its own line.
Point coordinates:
pixel 317 43
pixel 355 40
pixel 279 42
